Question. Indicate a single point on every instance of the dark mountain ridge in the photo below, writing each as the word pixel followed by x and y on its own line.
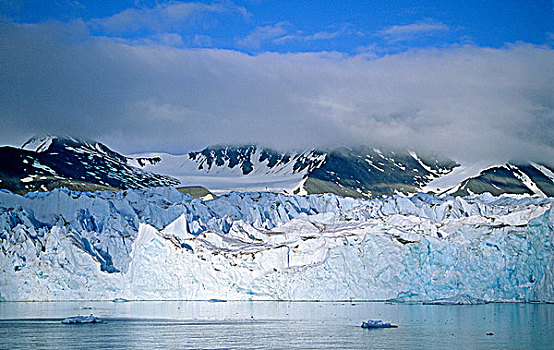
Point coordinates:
pixel 48 162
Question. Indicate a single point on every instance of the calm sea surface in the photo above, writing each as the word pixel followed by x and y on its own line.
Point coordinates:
pixel 275 325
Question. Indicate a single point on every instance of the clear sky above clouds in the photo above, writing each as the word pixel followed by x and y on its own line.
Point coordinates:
pixel 297 26
pixel 470 79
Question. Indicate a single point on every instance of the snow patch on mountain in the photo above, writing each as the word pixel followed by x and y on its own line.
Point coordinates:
pixel 432 172
pixel 543 169
pixel 38 143
pixel 526 180
pixel 449 181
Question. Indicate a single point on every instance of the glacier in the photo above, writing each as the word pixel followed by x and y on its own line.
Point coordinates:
pixel 159 243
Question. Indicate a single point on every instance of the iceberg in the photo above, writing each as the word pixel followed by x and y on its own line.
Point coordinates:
pixel 82 319
pixel 161 244
pixel 377 324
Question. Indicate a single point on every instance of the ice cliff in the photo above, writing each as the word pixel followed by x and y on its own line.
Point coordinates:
pixel 162 244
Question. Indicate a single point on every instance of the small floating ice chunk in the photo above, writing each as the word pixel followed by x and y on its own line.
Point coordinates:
pixel 377 324
pixel 120 300
pixel 82 319
pixel 460 299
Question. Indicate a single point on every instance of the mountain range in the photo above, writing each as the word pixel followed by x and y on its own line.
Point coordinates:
pixel 47 162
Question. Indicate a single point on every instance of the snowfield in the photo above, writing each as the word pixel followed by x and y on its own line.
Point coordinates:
pixel 283 176
pixel 162 244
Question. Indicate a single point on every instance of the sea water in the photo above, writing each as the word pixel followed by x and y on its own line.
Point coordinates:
pixel 275 325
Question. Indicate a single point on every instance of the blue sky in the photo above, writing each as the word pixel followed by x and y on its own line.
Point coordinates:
pixel 380 27
pixel 467 79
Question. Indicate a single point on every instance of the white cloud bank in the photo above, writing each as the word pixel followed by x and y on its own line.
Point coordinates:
pixel 464 102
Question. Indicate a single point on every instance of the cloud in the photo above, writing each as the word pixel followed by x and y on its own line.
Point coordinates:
pixel 344 30
pixel 162 18
pixel 200 40
pixel 465 102
pixel 284 32
pixel 274 33
pixel 324 35
pixel 165 39
pixel 411 31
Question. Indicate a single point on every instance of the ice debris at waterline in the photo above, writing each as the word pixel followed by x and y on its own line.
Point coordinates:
pixel 120 300
pixel 82 319
pixel 162 244
pixel 460 299
pixel 377 324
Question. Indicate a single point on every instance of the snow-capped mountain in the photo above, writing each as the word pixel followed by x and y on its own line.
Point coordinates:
pixel 162 244
pixel 355 172
pixel 364 172
pixel 48 162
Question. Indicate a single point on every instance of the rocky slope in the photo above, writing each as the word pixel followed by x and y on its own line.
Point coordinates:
pixel 45 163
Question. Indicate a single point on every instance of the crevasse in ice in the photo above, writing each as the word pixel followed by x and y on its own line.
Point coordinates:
pixel 162 244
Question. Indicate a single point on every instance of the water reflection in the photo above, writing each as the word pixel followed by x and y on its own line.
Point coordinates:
pixel 275 325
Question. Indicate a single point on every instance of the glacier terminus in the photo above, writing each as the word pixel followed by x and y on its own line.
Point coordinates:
pixel 154 244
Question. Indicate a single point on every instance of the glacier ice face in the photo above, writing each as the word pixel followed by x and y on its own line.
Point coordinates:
pixel 162 244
